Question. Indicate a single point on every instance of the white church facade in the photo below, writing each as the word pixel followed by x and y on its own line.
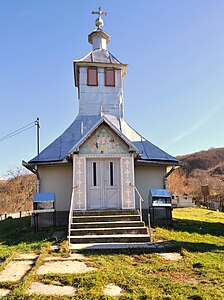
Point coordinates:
pixel 100 162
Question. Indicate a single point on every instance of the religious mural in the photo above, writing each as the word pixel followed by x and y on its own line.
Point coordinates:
pixel 104 142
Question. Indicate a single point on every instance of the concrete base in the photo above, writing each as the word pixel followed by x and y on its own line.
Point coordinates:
pixel 112 246
pixel 158 215
pixel 46 219
pixel 155 247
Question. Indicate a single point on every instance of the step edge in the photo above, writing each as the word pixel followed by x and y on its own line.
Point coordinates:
pixel 103 228
pixel 102 216
pixel 108 236
pixel 103 222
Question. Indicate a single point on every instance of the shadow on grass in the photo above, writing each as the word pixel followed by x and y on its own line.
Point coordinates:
pixel 16 231
pixel 173 247
pixel 200 227
pixel 199 247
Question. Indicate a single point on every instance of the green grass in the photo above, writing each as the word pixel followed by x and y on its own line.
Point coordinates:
pixel 197 234
pixel 17 236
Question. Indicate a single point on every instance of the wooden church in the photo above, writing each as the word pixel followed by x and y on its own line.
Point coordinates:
pixel 100 170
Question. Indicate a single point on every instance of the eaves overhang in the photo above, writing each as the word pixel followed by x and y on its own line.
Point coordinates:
pixel 162 163
pixel 30 165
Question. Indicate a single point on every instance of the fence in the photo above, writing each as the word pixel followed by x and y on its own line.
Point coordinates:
pixel 16 215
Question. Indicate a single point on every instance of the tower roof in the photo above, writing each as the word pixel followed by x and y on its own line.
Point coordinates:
pixel 100 56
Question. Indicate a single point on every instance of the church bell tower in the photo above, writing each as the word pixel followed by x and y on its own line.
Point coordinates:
pixel 99 76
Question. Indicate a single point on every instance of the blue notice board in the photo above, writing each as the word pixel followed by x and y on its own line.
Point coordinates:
pixel 44 200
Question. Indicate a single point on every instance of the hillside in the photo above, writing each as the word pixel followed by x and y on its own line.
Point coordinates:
pixel 203 160
pixel 200 168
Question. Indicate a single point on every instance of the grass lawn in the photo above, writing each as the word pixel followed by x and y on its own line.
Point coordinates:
pixel 198 234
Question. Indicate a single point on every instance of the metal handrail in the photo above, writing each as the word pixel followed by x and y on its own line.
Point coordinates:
pixel 141 200
pixel 150 229
pixel 70 216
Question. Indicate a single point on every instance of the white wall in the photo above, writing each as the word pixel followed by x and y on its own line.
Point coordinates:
pixel 57 179
pixel 94 99
pixel 147 177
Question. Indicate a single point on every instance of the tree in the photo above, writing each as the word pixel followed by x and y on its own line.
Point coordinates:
pixel 16 192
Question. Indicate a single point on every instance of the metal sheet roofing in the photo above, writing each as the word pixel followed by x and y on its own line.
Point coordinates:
pixel 164 193
pixel 59 149
pixel 100 55
pixel 44 197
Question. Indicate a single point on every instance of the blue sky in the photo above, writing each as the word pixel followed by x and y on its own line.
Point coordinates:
pixel 174 89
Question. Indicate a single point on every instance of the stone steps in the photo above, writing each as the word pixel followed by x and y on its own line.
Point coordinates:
pixel 106 212
pixel 107 226
pixel 109 231
pixel 104 218
pixel 118 238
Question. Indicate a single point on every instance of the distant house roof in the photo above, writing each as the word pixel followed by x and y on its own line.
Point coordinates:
pixel 63 146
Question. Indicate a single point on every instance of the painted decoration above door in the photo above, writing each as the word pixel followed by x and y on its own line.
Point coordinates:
pixel 104 141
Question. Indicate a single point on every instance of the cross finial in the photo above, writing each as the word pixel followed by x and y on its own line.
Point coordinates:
pixel 100 12
pixel 99 21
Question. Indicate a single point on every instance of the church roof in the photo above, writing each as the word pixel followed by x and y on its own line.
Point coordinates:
pixel 100 56
pixel 65 144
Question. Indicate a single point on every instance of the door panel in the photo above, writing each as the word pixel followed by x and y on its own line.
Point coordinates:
pixel 112 196
pixel 94 190
pixel 103 184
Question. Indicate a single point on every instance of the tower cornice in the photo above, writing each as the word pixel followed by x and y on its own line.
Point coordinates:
pixel 100 33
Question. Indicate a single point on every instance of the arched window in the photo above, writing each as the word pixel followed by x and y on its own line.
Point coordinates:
pixel 109 75
pixel 92 76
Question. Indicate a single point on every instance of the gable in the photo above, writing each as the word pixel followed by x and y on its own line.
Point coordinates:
pixel 104 141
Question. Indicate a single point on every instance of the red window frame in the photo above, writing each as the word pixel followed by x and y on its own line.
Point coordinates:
pixel 92 76
pixel 109 81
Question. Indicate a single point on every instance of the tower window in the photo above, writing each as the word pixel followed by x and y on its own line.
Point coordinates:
pixel 92 77
pixel 109 77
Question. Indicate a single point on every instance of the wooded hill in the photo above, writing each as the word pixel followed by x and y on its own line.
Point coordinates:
pixel 200 168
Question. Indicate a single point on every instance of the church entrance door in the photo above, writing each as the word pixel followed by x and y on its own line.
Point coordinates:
pixel 103 184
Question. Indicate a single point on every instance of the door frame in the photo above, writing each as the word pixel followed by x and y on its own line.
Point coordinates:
pixel 104 179
pixel 127 179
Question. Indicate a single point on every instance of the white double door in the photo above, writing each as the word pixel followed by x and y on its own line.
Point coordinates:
pixel 103 184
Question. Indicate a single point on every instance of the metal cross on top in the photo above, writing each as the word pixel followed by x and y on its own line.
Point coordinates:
pixel 99 21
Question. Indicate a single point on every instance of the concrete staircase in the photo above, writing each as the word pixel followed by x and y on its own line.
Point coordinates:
pixel 107 226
